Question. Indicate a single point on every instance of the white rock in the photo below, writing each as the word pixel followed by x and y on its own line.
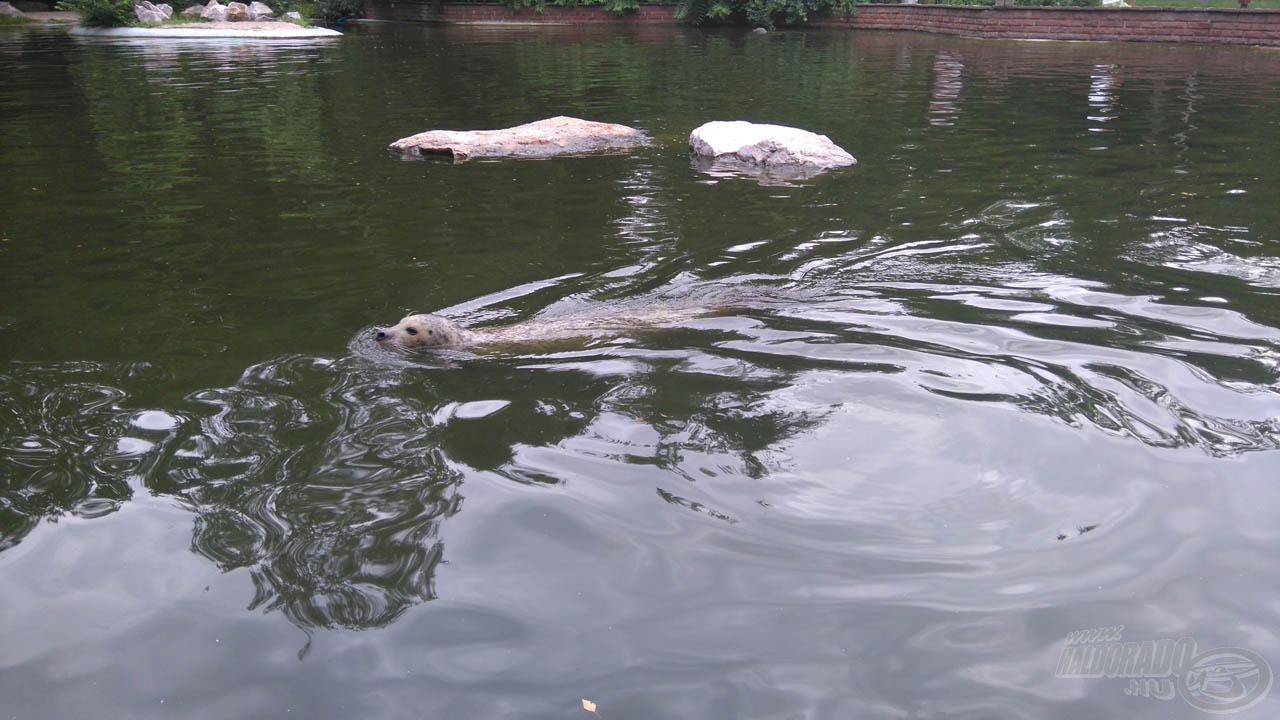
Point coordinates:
pixel 294 16
pixel 214 11
pixel 767 145
pixel 770 154
pixel 165 9
pixel 260 11
pixel 148 13
pixel 7 9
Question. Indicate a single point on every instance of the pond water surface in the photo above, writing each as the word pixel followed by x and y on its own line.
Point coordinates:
pixel 1016 374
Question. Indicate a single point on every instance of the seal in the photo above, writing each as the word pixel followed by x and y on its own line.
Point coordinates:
pixel 422 331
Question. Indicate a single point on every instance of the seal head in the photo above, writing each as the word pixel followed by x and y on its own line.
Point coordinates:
pixel 417 332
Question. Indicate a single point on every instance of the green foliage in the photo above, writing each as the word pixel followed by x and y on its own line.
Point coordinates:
pixel 308 9
pixel 279 7
pixel 14 20
pixel 339 9
pixel 621 6
pixel 1057 3
pixel 760 13
pixel 102 13
pixel 614 6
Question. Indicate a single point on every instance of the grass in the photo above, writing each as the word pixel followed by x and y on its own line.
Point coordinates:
pixel 14 20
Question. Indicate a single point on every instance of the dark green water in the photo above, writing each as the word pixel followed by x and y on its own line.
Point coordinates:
pixel 1015 375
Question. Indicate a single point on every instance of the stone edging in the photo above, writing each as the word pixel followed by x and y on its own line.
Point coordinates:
pixel 189 33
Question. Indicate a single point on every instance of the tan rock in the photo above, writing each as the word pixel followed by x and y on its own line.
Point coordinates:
pixel 552 137
pixel 237 12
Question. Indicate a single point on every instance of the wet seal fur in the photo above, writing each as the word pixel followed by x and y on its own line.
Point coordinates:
pixel 428 332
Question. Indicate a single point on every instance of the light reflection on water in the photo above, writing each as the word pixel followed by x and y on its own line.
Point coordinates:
pixel 988 387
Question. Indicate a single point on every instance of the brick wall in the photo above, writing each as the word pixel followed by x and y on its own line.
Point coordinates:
pixel 1229 26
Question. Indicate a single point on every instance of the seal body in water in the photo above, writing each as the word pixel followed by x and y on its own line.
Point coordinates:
pixel 425 332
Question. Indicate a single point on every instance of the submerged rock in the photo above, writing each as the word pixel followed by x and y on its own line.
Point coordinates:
pixel 773 149
pixel 214 11
pixel 545 138
pixel 260 11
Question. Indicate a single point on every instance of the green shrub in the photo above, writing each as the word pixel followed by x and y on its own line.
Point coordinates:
pixel 1057 3
pixel 338 9
pixel 102 13
pixel 760 13
pixel 616 6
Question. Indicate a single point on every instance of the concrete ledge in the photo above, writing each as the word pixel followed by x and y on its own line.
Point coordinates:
pixel 189 33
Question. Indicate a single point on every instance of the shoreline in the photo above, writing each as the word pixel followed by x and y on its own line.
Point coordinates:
pixel 274 30
pixel 1186 26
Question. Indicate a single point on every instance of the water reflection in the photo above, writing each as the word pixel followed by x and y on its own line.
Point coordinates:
pixel 65 447
pixel 1101 96
pixel 987 388
pixel 330 480
pixel 325 484
pixel 948 82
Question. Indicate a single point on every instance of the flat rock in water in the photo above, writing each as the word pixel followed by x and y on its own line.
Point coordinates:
pixel 542 139
pixel 782 150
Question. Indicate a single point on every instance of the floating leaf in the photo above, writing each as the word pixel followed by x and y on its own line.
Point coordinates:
pixel 589 706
